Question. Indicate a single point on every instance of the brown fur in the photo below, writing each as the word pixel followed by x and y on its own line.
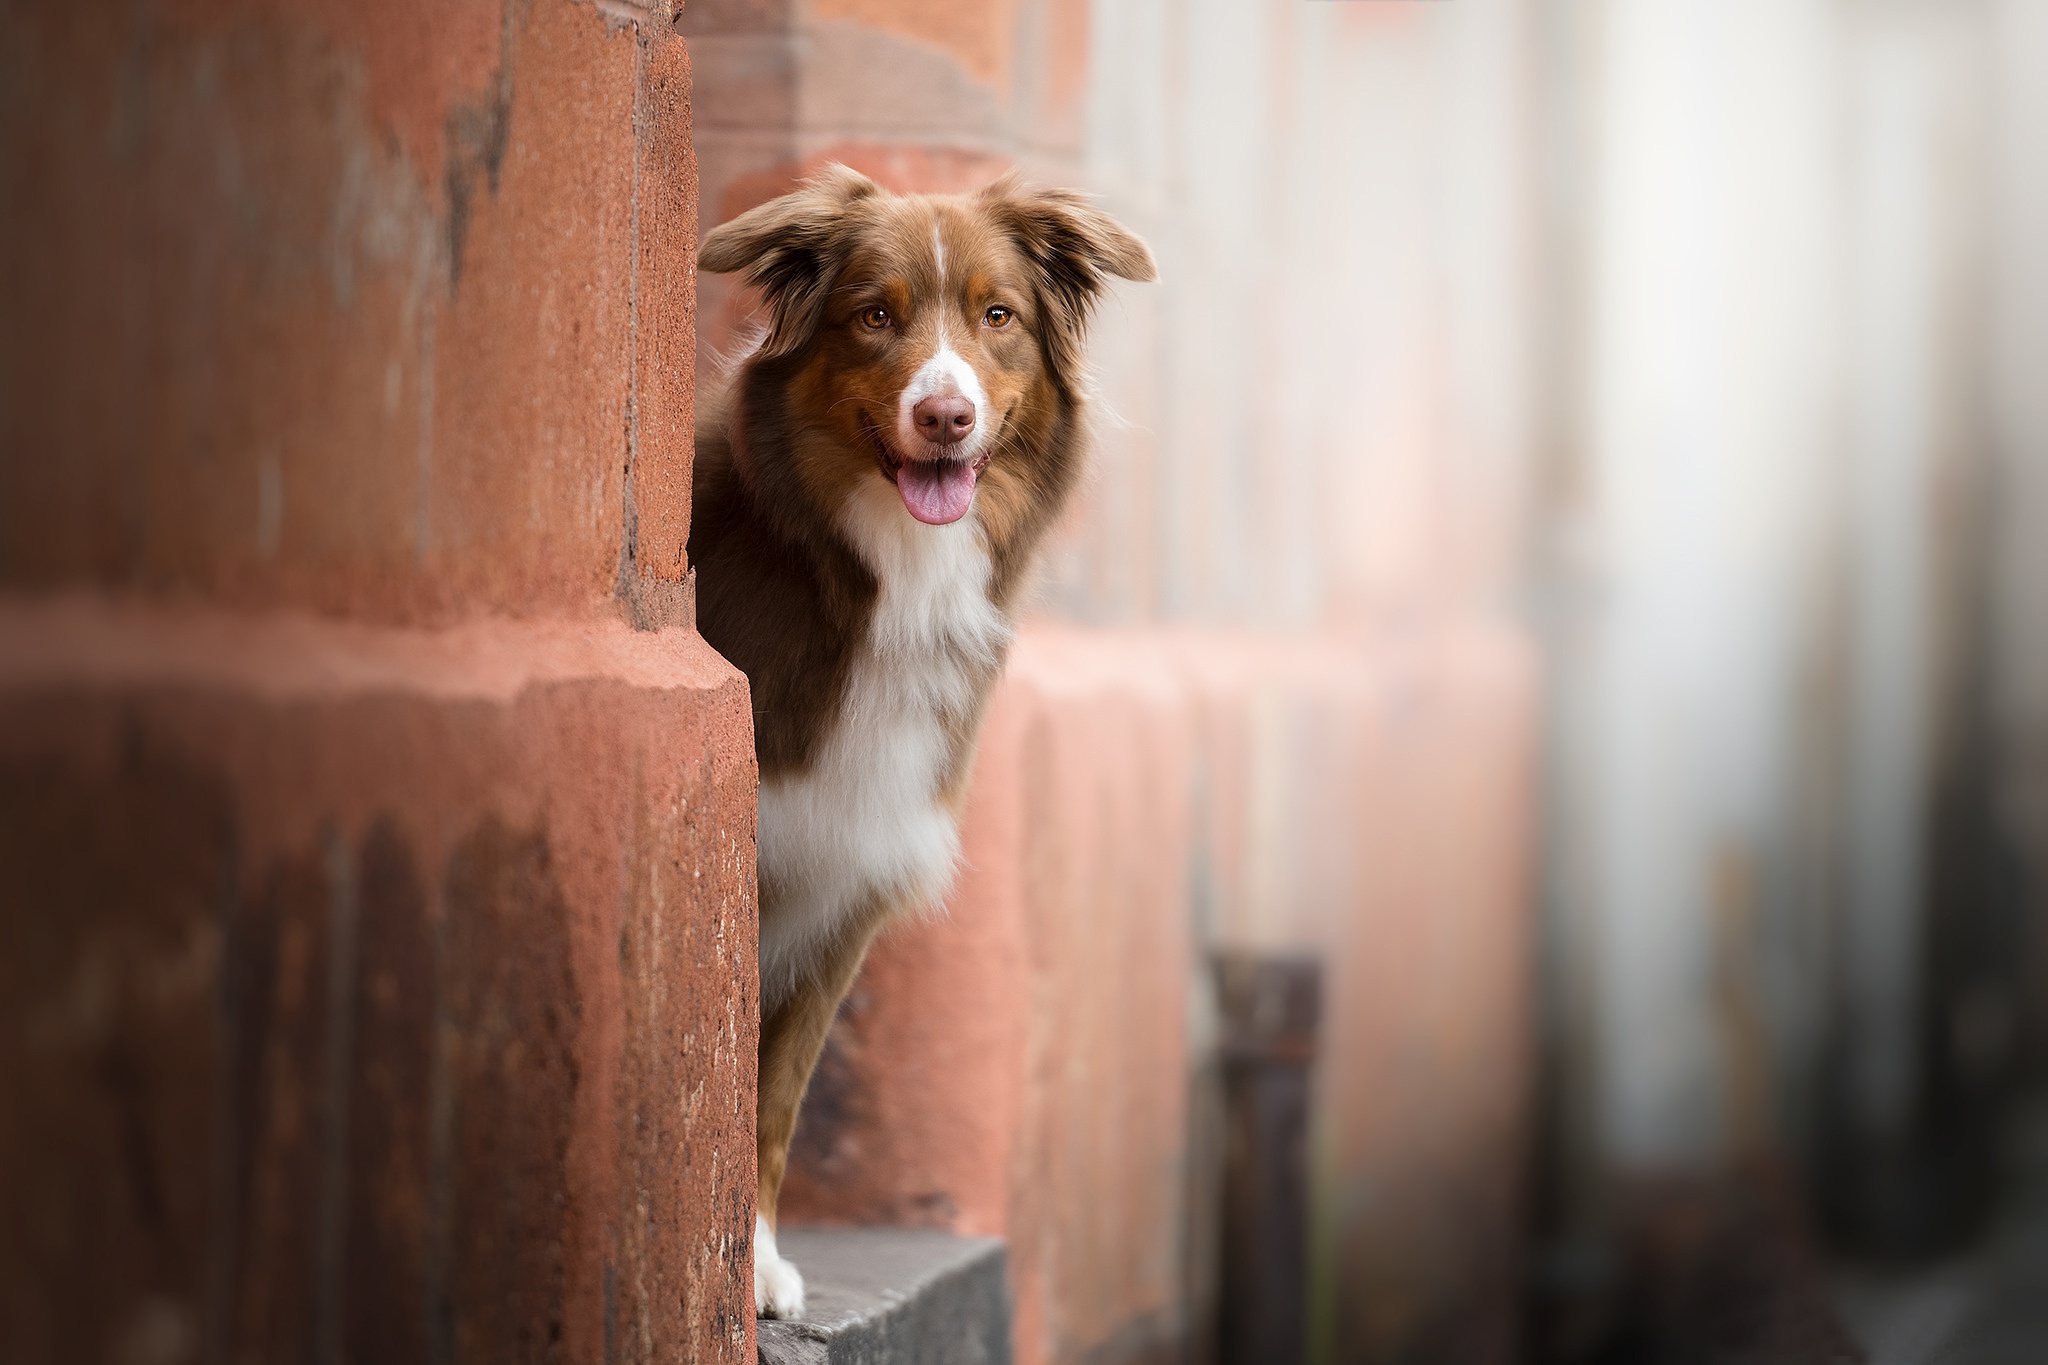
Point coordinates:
pixel 792 1036
pixel 809 414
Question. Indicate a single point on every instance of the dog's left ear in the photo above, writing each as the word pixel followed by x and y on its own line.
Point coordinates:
pixel 1073 248
pixel 790 249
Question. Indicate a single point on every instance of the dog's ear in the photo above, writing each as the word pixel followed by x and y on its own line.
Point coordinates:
pixel 790 249
pixel 1073 247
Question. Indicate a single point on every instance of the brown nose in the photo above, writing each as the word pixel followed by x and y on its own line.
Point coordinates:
pixel 944 418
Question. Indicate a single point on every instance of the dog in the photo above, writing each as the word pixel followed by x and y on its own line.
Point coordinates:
pixel 872 480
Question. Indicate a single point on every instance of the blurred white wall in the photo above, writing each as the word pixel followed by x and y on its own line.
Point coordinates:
pixel 1324 412
pixel 1710 401
pixel 1711 327
pixel 1794 505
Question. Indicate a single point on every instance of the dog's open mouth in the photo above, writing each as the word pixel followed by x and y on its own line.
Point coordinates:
pixel 936 491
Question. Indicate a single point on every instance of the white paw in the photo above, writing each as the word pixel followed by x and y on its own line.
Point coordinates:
pixel 778 1288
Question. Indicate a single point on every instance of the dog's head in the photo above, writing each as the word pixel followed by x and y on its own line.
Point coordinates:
pixel 925 332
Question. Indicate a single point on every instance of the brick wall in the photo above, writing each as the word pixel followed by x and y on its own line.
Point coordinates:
pixel 378 844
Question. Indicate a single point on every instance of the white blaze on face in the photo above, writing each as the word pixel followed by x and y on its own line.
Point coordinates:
pixel 944 371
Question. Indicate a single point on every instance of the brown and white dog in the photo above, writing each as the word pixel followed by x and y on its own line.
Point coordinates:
pixel 871 483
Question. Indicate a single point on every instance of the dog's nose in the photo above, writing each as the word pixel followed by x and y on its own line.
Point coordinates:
pixel 944 418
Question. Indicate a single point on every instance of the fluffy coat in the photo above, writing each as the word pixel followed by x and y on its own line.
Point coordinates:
pixel 871 484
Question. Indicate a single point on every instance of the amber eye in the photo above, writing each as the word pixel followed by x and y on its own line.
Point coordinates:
pixel 874 319
pixel 998 316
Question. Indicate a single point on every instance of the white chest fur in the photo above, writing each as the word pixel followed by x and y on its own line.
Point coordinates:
pixel 864 824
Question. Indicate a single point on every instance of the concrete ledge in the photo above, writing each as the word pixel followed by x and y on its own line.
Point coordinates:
pixel 905 1296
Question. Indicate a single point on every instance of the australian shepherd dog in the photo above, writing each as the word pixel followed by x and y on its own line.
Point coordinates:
pixel 871 483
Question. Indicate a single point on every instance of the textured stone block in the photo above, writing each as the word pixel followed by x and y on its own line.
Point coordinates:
pixel 367 994
pixel 346 307
pixel 893 1296
pixel 373 995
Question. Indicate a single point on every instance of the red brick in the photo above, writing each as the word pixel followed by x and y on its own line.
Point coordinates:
pixel 261 350
pixel 665 347
pixel 382 992
pixel 388 985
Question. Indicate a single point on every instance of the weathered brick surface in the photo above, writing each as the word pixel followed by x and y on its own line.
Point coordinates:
pixel 663 431
pixel 376 902
pixel 112 1056
pixel 395 1007
pixel 390 1102
pixel 338 307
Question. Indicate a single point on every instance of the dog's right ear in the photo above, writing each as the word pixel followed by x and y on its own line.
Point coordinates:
pixel 789 248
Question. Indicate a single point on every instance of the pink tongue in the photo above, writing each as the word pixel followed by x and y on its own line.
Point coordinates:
pixel 936 491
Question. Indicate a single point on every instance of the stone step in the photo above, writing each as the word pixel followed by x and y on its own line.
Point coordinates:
pixel 893 1296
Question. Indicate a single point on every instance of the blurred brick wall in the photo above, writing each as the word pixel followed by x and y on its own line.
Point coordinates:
pixel 1276 712
pixel 377 860
pixel 1031 1064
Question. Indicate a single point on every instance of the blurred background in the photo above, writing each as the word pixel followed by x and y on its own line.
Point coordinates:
pixel 1520 807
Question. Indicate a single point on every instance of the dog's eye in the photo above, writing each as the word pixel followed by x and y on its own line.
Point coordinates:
pixel 998 316
pixel 874 319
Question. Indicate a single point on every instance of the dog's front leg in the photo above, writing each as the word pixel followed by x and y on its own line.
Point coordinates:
pixel 792 1036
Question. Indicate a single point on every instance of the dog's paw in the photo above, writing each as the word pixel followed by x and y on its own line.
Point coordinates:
pixel 778 1288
